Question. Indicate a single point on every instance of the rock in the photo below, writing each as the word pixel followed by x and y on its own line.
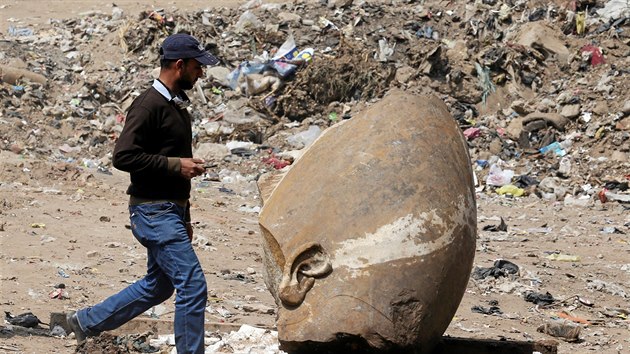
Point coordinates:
pixel 457 52
pixel 404 74
pixel 533 122
pixel 14 76
pixel 601 108
pixel 305 138
pixel 626 108
pixel 93 254
pixel 552 189
pixel 539 35
pixel 339 3
pixel 289 18
pixel 571 111
pixel 623 124
pixel 519 106
pixel 259 308
pixel 16 148
pixel 211 152
pixel 238 113
pixel 553 119
pixel 393 228
pixel 619 156
pixel 117 13
pixel 219 74
pixel 495 147
pixel 546 104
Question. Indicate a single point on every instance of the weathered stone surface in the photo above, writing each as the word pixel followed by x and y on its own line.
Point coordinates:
pixel 623 124
pixel 535 121
pixel 211 152
pixel 339 3
pixel 404 74
pixel 370 236
pixel 619 156
pixel 570 111
pixel 219 74
pixel 536 33
pixel 13 76
pixel 288 17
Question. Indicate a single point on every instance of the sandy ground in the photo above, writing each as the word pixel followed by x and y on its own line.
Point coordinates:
pixel 58 220
pixel 60 224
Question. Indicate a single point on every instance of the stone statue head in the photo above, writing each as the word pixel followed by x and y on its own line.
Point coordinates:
pixel 369 238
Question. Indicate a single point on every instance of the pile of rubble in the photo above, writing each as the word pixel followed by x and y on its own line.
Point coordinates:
pixel 540 90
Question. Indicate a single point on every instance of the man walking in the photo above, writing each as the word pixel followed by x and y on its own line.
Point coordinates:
pixel 155 147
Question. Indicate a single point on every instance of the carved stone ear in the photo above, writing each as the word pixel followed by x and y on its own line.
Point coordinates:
pixel 300 271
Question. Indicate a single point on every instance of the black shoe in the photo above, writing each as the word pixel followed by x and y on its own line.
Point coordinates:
pixel 73 323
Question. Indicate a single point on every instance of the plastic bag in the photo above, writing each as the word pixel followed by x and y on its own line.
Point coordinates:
pixel 284 69
pixel 305 138
pixel 287 50
pixel 245 68
pixel 498 177
pixel 247 21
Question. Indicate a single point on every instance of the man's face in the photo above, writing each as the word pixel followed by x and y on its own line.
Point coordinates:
pixel 190 70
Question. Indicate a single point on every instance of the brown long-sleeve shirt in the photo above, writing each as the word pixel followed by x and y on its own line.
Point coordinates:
pixel 156 134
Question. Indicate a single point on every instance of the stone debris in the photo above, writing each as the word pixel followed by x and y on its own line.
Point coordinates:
pixel 531 61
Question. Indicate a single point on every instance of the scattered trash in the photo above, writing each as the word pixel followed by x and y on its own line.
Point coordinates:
pixel 501 268
pixel 567 316
pixel 605 196
pixel 614 9
pixel 607 287
pixel 18 32
pixel 564 330
pixel 27 319
pixel 612 230
pixel 305 138
pixel 492 310
pixel 555 147
pixel 384 50
pixel 511 190
pixel 247 339
pixel 472 133
pixel 59 292
pixel 277 163
pixel 563 257
pixel 594 54
pixel 498 177
pixel 494 228
pixel 538 298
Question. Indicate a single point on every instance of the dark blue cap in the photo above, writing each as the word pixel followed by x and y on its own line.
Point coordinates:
pixel 185 46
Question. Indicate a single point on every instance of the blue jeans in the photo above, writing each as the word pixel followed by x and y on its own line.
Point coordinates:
pixel 171 265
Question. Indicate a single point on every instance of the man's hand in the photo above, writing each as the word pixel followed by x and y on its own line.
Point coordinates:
pixel 189 229
pixel 192 167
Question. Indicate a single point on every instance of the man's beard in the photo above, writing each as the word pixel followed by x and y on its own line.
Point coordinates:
pixel 185 84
